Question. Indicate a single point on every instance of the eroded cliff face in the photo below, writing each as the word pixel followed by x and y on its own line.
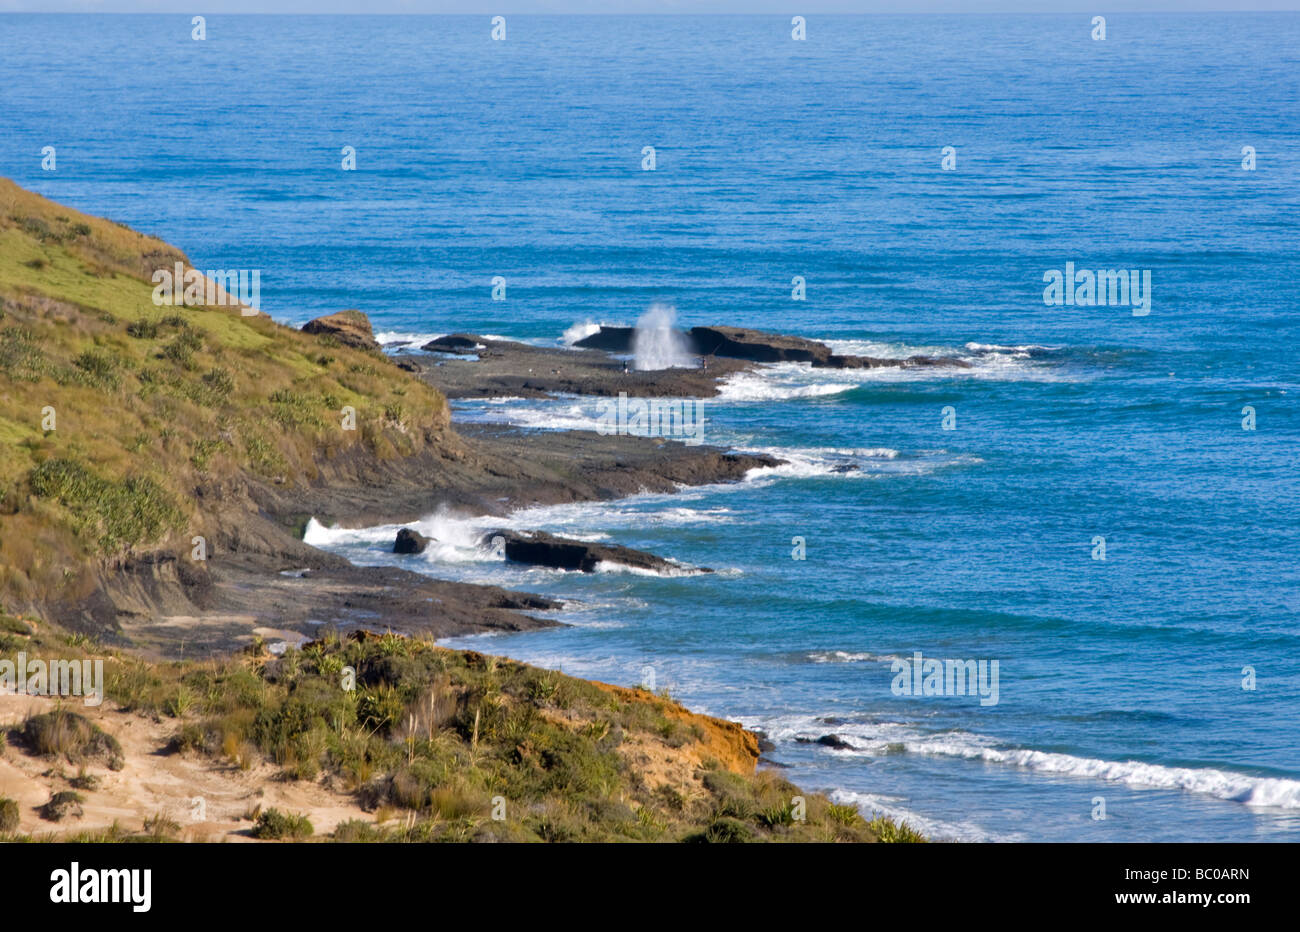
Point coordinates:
pixel 715 739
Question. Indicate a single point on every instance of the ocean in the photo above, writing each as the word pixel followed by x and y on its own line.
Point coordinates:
pixel 1123 681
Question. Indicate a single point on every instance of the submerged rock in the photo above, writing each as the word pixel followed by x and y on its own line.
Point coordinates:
pixel 351 328
pixel 907 362
pixel 409 541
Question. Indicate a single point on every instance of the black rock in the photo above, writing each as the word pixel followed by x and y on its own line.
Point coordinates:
pixel 756 345
pixel 461 343
pixel 542 549
pixel 409 541
pixel 761 346
pixel 609 339
pixel 836 742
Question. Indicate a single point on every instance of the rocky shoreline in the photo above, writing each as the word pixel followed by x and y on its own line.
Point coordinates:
pixel 260 579
pixel 466 365
pixel 470 366
pixel 741 343
pixel 259 568
pixel 264 568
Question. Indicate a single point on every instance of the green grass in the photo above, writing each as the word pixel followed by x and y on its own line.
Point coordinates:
pixel 151 402
pixel 116 514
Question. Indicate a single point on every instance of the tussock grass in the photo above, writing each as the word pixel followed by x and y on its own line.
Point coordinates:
pixel 892 831
pixel 71 736
pixel 117 514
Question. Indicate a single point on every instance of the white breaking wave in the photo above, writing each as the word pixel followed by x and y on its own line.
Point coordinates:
pixel 605 566
pixel 396 340
pixel 877 739
pixel 579 332
pixel 582 413
pixel 870 804
pixel 561 414
pixel 781 381
pixel 868 463
pixel 878 350
pixel 788 380
pixel 1021 351
pixel 456 538
pixel 1261 792
pixel 574 518
pixel 843 656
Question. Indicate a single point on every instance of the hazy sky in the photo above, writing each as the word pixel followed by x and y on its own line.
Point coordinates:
pixel 489 7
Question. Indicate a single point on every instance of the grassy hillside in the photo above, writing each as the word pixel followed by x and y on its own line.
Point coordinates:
pixel 152 404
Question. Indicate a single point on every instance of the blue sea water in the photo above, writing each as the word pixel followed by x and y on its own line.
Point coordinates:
pixel 1119 679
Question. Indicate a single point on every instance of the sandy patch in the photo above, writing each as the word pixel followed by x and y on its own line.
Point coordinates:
pixel 208 798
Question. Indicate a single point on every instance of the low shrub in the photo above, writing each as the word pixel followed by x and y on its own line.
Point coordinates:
pixel 275 825
pixel 63 804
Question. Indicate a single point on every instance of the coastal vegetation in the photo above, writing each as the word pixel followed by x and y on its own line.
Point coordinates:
pixel 436 745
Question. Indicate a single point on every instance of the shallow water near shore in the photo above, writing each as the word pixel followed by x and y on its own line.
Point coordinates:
pixel 1119 679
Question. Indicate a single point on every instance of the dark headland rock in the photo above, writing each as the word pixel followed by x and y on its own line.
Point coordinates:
pixel 756 345
pixel 609 339
pixel 761 346
pixel 409 541
pixel 351 328
pixel 542 549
